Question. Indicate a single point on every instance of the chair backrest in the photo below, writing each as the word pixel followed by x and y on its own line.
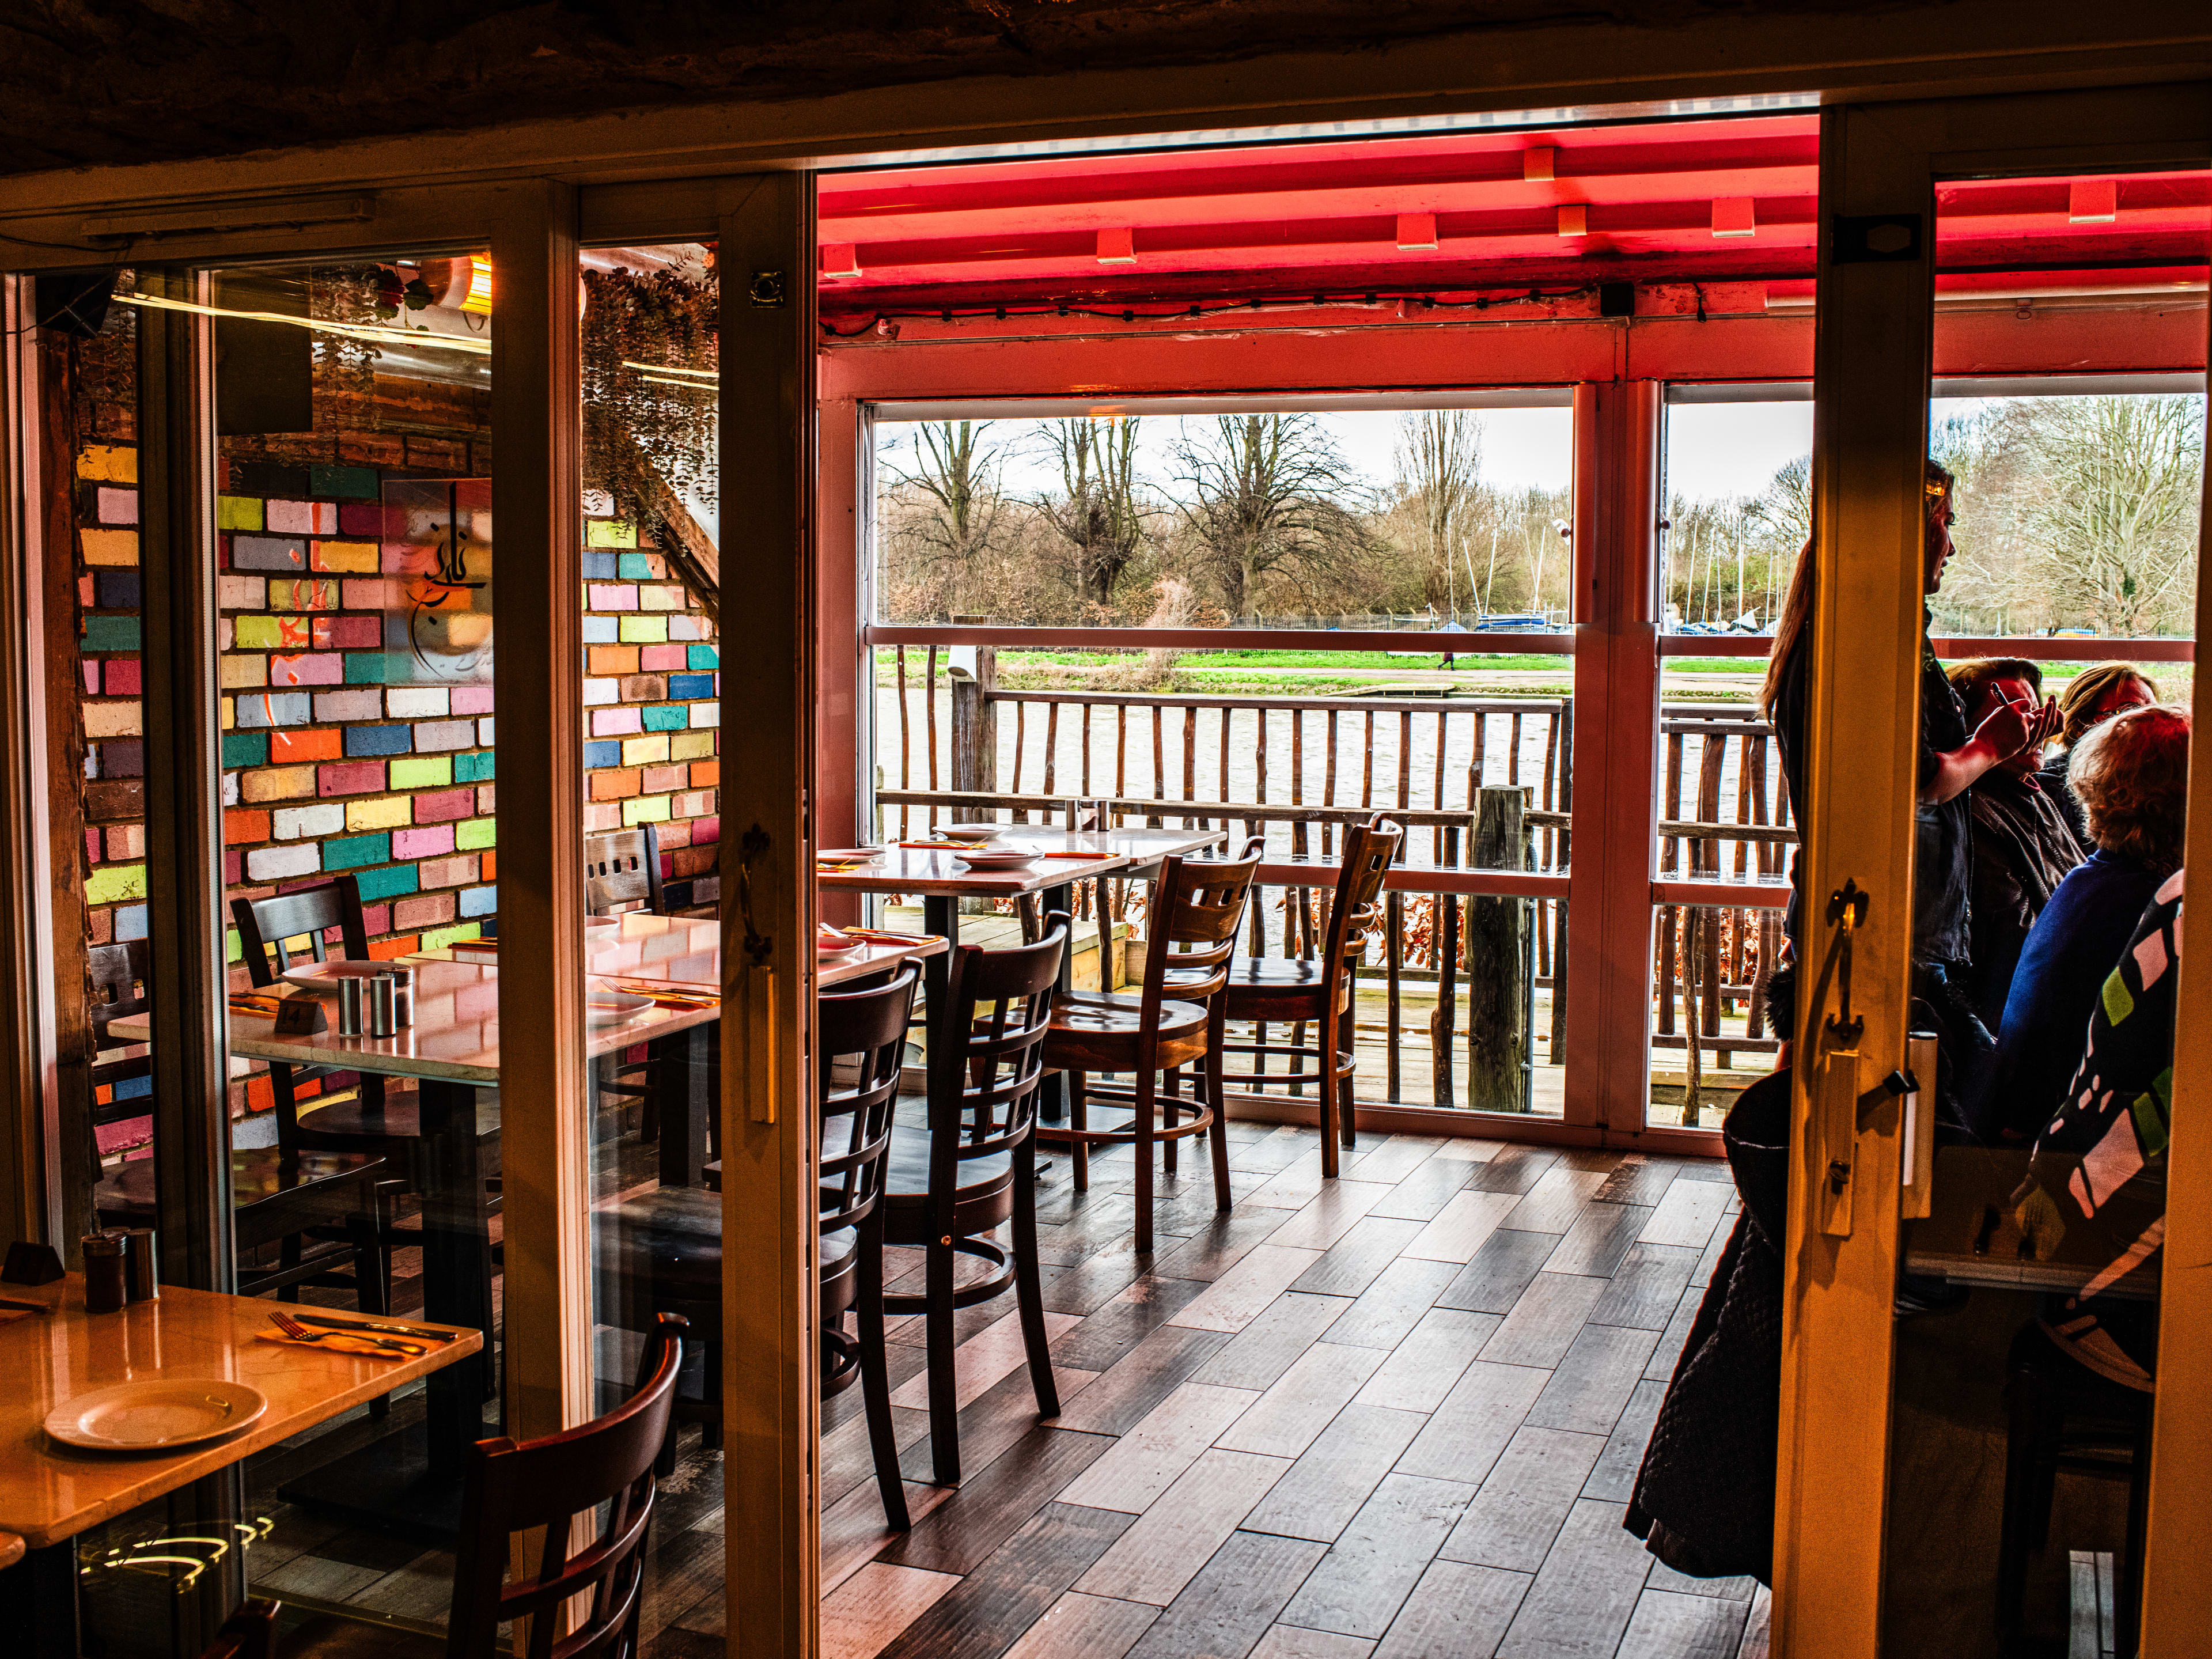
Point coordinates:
pixel 265 924
pixel 119 988
pixel 983 1088
pixel 860 1038
pixel 1198 904
pixel 548 1483
pixel 1368 851
pixel 249 1633
pixel 622 867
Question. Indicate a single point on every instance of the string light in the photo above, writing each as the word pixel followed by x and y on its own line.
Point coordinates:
pixel 474 347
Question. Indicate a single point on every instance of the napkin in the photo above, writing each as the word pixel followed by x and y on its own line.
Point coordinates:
pixel 353 1346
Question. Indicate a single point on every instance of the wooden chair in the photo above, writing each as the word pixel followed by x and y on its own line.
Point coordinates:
pixel 971 1167
pixel 1270 989
pixel 249 1633
pixel 549 1483
pixel 322 1210
pixel 661 1252
pixel 118 977
pixel 622 870
pixel 1197 904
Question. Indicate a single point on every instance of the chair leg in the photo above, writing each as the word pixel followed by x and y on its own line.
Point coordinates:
pixel 1170 1114
pixel 1347 1108
pixel 1028 1283
pixel 2017 1536
pixel 1141 1123
pixel 944 1397
pixel 1217 1069
pixel 1078 1119
pixel 875 1379
pixel 1331 1127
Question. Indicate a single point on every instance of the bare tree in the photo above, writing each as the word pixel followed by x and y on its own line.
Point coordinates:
pixel 1099 512
pixel 959 475
pixel 1268 496
pixel 1439 462
pixel 2114 504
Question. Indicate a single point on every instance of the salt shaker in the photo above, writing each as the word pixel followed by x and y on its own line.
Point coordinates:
pixel 141 1276
pixel 104 1289
pixel 349 1007
pixel 380 1007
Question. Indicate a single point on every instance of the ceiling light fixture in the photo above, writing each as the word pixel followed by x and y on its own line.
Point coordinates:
pixel 1574 219
pixel 477 299
pixel 1732 215
pixel 2092 202
pixel 1417 232
pixel 839 259
pixel 1117 247
pixel 1537 165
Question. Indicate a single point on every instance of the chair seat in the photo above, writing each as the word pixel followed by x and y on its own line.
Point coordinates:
pixel 399 1118
pixel 673 1239
pixel 906 1174
pixel 258 1175
pixel 1262 988
pixel 1098 1032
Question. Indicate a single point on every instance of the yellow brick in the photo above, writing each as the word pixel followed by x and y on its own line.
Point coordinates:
pixel 278 783
pixel 379 814
pixel 239 672
pixel 112 720
pixel 110 547
pixel 344 556
pixel 646 751
pixel 691 745
pixel 230 713
pixel 107 464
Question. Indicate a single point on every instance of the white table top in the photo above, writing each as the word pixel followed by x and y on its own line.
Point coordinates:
pixel 897 869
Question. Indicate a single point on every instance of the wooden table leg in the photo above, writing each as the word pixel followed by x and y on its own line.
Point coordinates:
pixel 38 1603
pixel 456 1268
pixel 682 1074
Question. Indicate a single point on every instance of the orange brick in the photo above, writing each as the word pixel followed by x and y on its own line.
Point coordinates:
pixel 614 782
pixel 706 774
pixel 490 865
pixel 260 1094
pixel 611 660
pixel 385 950
pixel 293 747
pixel 238 828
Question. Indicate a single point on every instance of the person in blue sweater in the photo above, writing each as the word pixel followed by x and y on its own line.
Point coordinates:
pixel 2132 777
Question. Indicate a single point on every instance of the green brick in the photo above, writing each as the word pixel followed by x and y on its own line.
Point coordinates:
pixel 650 809
pixel 357 484
pixel 702 658
pixel 394 883
pixel 232 950
pixel 238 512
pixel 473 768
pixel 431 772
pixel 372 668
pixel 645 631
pixel 636 567
pixel 438 938
pixel 349 851
pixel 110 633
pixel 246 749
pixel 112 883
pixel 610 532
pixel 257 634
pixel 475 833
pixel 665 717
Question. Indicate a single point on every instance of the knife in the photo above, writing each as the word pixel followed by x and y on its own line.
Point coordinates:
pixel 365 1325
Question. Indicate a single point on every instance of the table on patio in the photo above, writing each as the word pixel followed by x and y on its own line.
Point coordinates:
pixel 49 1492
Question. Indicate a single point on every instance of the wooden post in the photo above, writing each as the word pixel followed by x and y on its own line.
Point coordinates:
pixel 975 723
pixel 1498 962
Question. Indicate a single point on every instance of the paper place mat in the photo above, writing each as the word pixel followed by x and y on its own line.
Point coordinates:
pixel 344 1342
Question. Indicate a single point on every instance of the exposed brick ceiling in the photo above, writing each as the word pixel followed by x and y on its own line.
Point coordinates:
pixel 101 82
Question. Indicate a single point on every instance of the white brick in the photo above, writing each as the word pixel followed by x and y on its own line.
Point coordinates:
pixel 230 789
pixel 599 692
pixel 483 732
pixel 445 734
pixel 242 594
pixel 413 702
pixel 706 714
pixel 276 863
pixel 332 706
pixel 293 823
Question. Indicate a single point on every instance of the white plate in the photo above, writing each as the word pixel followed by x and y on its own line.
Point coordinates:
pixel 613 1007
pixel 997 860
pixel 602 921
pixel 971 831
pixel 840 953
pixel 849 853
pixel 322 977
pixel 154 1414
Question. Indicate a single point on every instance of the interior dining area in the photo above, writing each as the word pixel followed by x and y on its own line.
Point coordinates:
pixel 1255 873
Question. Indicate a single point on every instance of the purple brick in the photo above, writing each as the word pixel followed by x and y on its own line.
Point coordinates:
pixel 445 805
pixel 356 633
pixel 270 553
pixel 472 700
pixel 434 842
pixel 349 777
pixel 315 668
pixel 613 596
pixel 118 506
pixel 332 708
pixel 122 677
pixel 434 735
pixel 360 519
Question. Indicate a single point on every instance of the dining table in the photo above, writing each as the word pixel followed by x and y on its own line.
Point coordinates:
pixel 52 1492
pixel 1971 1236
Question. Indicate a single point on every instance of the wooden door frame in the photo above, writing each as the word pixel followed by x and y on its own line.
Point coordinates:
pixel 1872 371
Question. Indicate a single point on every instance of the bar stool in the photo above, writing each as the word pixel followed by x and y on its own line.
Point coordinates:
pixel 1198 904
pixel 1270 989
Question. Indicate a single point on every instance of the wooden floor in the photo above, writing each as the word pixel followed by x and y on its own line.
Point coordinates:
pixel 1396 1416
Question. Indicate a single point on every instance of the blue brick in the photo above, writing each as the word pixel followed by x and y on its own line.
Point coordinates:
pixel 353 483
pixel 479 901
pixel 134 1088
pixel 396 882
pixel 602 754
pixel 636 567
pixel 274 709
pixel 246 749
pixel 601 567
pixel 118 589
pixel 348 851
pixel 601 630
pixel 702 658
pixel 268 553
pixel 691 686
pixel 474 768
pixel 378 740
pixel 667 717
pixel 110 633
pixel 130 923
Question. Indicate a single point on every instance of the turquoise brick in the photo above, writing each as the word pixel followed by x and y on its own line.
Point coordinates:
pixel 246 749
pixel 348 851
pixel 395 883
pixel 110 633
pixel 665 717
pixel 635 567
pixel 474 768
pixel 703 660
pixel 357 484
pixel 372 668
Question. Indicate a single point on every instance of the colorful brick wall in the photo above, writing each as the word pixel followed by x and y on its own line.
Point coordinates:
pixel 329 768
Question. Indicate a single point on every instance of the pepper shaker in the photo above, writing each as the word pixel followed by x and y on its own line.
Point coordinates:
pixel 349 1007
pixel 141 1276
pixel 380 1012
pixel 104 1287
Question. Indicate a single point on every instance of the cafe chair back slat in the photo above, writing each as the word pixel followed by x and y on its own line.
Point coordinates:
pixel 1318 995
pixel 118 977
pixel 1175 1021
pixel 971 1167
pixel 622 871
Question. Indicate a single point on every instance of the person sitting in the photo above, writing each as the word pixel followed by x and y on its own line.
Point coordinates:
pixel 2093 696
pixel 2022 844
pixel 2132 774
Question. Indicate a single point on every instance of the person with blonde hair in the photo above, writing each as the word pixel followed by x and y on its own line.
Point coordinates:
pixel 2091 697
pixel 2132 776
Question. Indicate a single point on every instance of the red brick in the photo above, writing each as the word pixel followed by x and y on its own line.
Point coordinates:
pixel 444 805
pixel 430 910
pixel 349 778
pixel 661 780
pixel 695 860
pixel 288 748
pixel 385 950
pixel 644 687
pixel 376 918
pixel 240 827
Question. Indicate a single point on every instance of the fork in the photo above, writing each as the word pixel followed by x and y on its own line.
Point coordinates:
pixel 299 1333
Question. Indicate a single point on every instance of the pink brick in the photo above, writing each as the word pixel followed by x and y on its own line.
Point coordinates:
pixel 443 806
pixel 92 676
pixel 233 868
pixel 488 800
pixel 348 633
pixel 317 668
pixel 370 593
pixel 122 677
pixel 613 596
pixel 376 918
pixel 661 659
pixel 427 911
pixel 433 736
pixel 92 846
pixel 472 700
pixel 349 777
pixel 705 830
pixel 448 872
pixel 660 780
pixel 422 843
pixel 615 722
pixel 602 815
pixel 673 835
pixel 696 805
pixel 118 506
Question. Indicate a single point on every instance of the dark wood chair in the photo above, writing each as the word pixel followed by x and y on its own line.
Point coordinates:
pixel 1317 996
pixel 249 1633
pixel 622 871
pixel 322 1210
pixel 1173 1022
pixel 661 1252
pixel 971 1167
pixel 600 1474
